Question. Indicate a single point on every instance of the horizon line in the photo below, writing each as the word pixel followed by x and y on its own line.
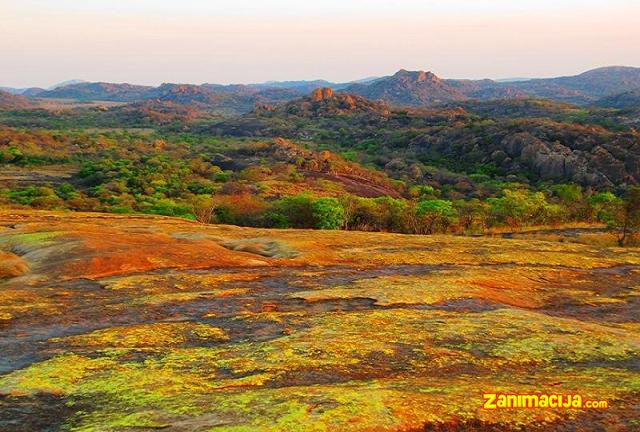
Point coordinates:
pixel 272 81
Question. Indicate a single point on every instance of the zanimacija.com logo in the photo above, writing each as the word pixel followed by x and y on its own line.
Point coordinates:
pixel 494 401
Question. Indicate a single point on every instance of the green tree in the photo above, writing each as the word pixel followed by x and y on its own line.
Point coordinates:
pixel 627 219
pixel 66 191
pixel 392 214
pixel 328 213
pixel 472 214
pixel 520 207
pixel 436 215
pixel 572 200
pixel 296 210
pixel 605 205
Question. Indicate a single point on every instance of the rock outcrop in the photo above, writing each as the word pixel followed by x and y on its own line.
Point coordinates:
pixel 321 94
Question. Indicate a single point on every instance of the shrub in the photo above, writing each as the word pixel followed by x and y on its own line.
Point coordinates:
pixel 328 213
pixel 435 215
pixel 296 210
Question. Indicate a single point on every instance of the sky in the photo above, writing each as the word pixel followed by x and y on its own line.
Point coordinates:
pixel 43 42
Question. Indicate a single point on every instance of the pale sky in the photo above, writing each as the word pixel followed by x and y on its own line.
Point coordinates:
pixel 43 42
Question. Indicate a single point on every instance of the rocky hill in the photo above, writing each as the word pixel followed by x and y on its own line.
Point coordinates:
pixel 99 91
pixel 326 102
pixel 585 88
pixel 10 101
pixel 417 88
pixel 324 106
pixel 187 94
pixel 420 88
pixel 526 139
pixel 630 99
pixel 404 88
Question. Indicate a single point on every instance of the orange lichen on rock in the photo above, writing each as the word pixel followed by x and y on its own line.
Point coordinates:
pixel 141 322
pixel 12 265
pixel 321 94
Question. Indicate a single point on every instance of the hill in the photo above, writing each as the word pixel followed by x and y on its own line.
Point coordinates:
pixel 417 88
pixel 66 83
pixel 9 101
pixel 324 102
pixel 420 88
pixel 585 88
pixel 322 106
pixel 526 139
pixel 98 91
pixel 28 92
pixel 404 88
pixel 630 99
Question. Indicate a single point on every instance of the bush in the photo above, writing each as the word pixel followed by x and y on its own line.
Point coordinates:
pixel 435 215
pixel 295 210
pixel 328 213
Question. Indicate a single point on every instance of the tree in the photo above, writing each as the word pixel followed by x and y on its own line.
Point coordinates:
pixel 605 205
pixel 472 214
pixel 294 212
pixel 520 207
pixel 392 214
pixel 360 213
pixel 436 215
pixel 202 207
pixel 572 199
pixel 620 214
pixel 328 213
pixel 628 216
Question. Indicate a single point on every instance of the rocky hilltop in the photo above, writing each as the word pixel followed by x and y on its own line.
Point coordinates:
pixel 417 88
pixel 325 102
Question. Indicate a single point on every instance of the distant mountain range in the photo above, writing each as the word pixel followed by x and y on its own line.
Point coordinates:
pixel 425 89
pixel 610 86
pixel 35 91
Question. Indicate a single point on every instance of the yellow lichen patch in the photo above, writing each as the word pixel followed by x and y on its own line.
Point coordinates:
pixel 511 334
pixel 158 299
pixel 16 302
pixel 59 375
pixel 147 335
pixel 439 250
pixel 178 281
pixel 518 286
pixel 412 355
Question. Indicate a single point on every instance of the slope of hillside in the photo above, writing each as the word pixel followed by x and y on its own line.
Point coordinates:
pixel 99 91
pixel 419 88
pixel 409 88
pixel 585 88
pixel 9 101
pixel 630 99
pixel 535 149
